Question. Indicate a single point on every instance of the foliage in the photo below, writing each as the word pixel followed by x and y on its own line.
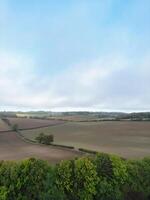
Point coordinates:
pixel 64 178
pixel 45 139
pixel 112 174
pixel 3 193
pixel 24 180
pixel 15 127
pixel 100 177
pixel 87 151
pixel 132 195
pixel 77 179
pixel 139 178
pixel 64 146
pixel 86 178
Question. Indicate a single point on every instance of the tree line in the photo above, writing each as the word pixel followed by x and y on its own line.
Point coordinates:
pixel 100 177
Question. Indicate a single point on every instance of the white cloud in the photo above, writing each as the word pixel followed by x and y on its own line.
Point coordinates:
pixel 108 83
pixel 15 74
pixel 78 31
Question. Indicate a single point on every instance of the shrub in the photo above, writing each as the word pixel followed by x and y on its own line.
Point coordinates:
pixel 40 137
pixel 15 127
pixel 45 139
pixel 88 151
pixel 64 146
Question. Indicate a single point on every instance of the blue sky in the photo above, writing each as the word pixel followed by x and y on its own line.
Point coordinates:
pixel 75 55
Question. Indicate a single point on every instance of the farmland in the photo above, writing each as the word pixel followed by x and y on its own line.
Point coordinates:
pixel 26 123
pixel 126 138
pixel 13 147
pixel 3 126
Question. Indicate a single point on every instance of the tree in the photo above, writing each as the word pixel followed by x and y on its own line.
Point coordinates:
pixel 103 177
pixel 3 193
pixel 112 176
pixel 40 137
pixel 139 178
pixel 45 139
pixel 48 139
pixel 15 127
pixel 29 179
pixel 77 179
pixel 86 178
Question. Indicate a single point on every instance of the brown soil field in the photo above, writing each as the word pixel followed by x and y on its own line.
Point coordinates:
pixel 75 118
pixel 26 123
pixel 3 126
pixel 127 139
pixel 12 147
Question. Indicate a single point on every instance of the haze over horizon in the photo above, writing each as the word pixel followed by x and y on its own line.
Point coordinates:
pixel 75 55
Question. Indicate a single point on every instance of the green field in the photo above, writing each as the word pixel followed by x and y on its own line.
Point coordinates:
pixel 128 139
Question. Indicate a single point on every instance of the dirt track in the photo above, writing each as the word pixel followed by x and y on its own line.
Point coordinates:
pixel 14 148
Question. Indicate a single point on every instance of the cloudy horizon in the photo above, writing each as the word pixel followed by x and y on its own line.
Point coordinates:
pixel 75 55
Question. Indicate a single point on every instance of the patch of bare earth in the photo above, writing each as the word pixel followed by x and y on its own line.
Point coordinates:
pixel 3 126
pixel 127 139
pixel 27 123
pixel 13 147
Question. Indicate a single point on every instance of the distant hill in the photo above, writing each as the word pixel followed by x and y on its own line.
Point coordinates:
pixel 80 115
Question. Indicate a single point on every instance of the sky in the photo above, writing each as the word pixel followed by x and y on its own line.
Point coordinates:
pixel 67 55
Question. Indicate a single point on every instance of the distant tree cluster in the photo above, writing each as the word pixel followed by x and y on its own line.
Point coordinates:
pixel 44 139
pixel 102 177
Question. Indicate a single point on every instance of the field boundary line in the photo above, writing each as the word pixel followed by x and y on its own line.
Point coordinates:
pixel 18 133
pixel 31 128
pixel 6 131
pixel 26 140
pixel 46 126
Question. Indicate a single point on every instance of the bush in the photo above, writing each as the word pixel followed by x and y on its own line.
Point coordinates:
pixel 88 151
pixel 64 146
pixel 45 139
pixel 15 127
